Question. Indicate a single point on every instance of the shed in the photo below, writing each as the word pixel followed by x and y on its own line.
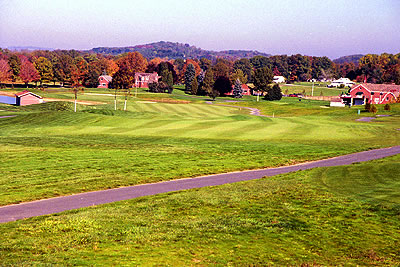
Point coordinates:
pixel 25 98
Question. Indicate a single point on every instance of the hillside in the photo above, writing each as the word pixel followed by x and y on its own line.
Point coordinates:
pixel 176 50
pixel 348 59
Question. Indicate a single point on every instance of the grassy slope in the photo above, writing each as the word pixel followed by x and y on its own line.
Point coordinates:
pixel 58 153
pixel 319 217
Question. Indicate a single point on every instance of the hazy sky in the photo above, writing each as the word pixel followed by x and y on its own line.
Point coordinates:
pixel 312 27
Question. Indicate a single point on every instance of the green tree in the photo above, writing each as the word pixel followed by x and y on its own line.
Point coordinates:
pixel 208 82
pixel 274 93
pixel 194 87
pixel 205 64
pixel 238 74
pixel 15 66
pixel 190 75
pixel 262 79
pixel 45 69
pixel 237 89
pixel 246 67
pixel 92 75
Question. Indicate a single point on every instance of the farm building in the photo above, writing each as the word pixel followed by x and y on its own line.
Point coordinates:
pixel 142 79
pixel 25 98
pixel 104 80
pixel 371 93
pixel 279 79
pixel 245 88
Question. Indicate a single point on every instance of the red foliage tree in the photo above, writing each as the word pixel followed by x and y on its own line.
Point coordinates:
pixel 5 71
pixel 28 72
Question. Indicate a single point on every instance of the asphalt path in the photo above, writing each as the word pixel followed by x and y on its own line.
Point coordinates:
pixel 55 205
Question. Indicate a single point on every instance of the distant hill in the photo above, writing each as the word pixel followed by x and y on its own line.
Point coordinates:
pixel 176 50
pixel 28 48
pixel 348 59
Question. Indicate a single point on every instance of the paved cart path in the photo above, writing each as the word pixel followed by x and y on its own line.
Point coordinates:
pixel 59 204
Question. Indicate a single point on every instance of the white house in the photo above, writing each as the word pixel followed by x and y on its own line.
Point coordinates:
pixel 337 83
pixel 279 79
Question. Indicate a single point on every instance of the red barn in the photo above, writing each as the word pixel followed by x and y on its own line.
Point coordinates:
pixel 142 79
pixel 104 80
pixel 372 93
pixel 25 98
pixel 245 90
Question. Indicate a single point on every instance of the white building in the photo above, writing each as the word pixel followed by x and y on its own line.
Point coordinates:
pixel 279 79
pixel 345 81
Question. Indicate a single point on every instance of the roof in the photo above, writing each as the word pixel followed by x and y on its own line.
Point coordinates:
pixel 146 74
pixel 106 77
pixel 26 92
pixel 389 88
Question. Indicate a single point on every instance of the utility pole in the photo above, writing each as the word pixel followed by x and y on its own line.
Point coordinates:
pixel 312 89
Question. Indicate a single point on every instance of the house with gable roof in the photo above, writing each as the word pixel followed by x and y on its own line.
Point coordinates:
pixel 104 81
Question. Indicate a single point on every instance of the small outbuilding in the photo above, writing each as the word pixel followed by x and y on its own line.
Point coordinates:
pixel 104 81
pixel 25 98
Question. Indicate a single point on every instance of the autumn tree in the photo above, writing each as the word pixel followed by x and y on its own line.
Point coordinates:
pixel 128 65
pixel 62 68
pixel 28 72
pixel 92 75
pixel 221 69
pixel 5 71
pixel 262 78
pixel 45 69
pixel 153 64
pixel 78 73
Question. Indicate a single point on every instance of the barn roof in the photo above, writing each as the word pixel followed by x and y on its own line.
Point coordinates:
pixel 26 92
pixel 387 88
pixel 106 77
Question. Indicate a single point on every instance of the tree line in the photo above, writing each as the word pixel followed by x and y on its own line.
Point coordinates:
pixel 200 76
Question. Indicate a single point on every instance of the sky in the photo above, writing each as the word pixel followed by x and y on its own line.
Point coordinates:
pixel 330 28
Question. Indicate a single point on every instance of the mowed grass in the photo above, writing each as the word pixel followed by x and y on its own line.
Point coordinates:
pixel 306 88
pixel 328 216
pixel 57 153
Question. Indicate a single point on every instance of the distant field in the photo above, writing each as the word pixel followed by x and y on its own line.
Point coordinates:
pixel 345 215
pixel 304 87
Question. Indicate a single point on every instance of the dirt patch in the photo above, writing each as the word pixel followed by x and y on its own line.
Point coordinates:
pixel 8 93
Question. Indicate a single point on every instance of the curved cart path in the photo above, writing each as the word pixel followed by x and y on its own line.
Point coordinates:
pixel 59 204
pixel 253 111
